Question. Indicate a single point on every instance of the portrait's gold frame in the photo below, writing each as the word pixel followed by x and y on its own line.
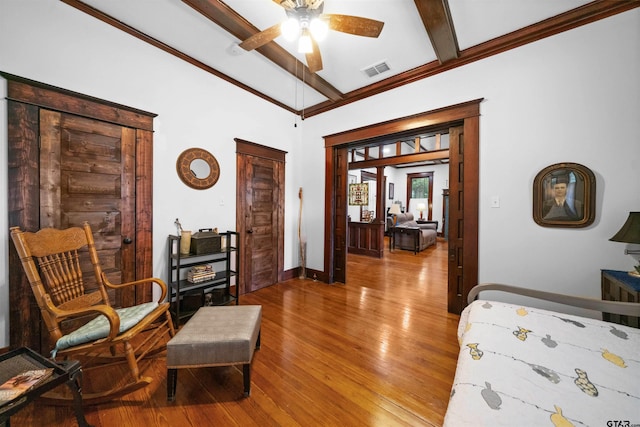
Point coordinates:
pixel 587 181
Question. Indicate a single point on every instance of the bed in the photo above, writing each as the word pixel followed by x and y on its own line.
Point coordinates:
pixel 524 366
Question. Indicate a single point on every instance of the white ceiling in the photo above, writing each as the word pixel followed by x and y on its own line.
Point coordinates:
pixel 403 44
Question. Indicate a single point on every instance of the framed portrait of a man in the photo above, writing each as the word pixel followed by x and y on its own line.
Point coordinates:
pixel 564 196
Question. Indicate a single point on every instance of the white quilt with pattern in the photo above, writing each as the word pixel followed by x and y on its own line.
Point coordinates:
pixel 522 366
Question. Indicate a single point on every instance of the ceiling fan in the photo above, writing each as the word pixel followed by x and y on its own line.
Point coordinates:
pixel 308 24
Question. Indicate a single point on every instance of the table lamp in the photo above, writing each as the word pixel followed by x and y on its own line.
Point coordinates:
pixel 630 233
pixel 421 207
pixel 395 211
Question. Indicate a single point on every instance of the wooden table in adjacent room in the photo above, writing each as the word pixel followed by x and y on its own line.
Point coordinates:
pixel 411 231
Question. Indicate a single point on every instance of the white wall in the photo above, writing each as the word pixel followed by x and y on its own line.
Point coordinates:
pixel 53 43
pixel 573 97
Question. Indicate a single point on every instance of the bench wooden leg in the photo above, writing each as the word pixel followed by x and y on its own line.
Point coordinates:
pixel 246 376
pixel 172 380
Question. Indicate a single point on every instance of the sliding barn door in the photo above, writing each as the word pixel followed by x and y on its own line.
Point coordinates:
pixel 74 158
pixel 87 173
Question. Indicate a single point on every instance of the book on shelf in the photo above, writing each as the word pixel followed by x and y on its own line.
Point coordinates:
pixel 23 382
pixel 200 273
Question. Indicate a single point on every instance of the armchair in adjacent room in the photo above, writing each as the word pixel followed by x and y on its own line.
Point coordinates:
pixel 427 237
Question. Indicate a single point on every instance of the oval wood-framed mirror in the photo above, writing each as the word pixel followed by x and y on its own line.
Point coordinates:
pixel 198 168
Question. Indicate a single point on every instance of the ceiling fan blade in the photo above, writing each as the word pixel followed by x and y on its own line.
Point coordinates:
pixel 314 59
pixel 355 25
pixel 314 4
pixel 292 4
pixel 287 4
pixel 260 39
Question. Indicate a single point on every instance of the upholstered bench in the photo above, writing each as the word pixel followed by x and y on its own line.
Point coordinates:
pixel 215 336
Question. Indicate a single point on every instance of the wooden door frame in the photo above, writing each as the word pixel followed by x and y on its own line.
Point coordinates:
pixel 467 114
pixel 257 150
pixel 25 99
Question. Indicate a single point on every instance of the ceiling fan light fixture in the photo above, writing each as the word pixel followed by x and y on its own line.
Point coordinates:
pixel 319 29
pixel 290 29
pixel 304 43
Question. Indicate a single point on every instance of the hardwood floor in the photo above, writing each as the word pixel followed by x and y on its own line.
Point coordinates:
pixel 379 351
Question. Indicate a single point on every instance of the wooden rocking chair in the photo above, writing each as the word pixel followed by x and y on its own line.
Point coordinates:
pixel 113 335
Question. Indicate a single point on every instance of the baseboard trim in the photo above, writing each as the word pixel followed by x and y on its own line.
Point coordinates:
pixel 294 273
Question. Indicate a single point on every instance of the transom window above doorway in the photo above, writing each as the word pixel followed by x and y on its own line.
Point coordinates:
pixel 395 146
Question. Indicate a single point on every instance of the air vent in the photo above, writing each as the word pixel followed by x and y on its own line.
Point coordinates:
pixel 376 69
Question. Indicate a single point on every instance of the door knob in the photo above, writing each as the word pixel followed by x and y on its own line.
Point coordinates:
pixel 127 240
pixel 249 231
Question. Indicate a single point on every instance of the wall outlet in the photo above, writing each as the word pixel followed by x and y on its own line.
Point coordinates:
pixel 495 201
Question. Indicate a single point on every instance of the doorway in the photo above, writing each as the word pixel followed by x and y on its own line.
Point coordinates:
pixel 260 215
pixel 463 245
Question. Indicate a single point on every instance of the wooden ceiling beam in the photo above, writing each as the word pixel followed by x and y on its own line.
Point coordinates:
pixel 436 18
pixel 229 20
pixel 586 14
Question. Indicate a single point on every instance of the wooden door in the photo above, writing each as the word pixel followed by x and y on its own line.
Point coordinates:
pixel 456 217
pixel 260 201
pixel 87 173
pixel 463 215
pixel 73 157
pixel 340 179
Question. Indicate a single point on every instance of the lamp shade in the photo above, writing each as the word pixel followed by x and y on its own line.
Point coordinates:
pixel 395 209
pixel 630 231
pixel 422 207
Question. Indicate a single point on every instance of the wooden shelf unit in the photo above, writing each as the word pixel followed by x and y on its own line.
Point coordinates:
pixel 187 297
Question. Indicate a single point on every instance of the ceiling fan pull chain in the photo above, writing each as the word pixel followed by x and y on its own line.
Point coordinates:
pixel 302 116
pixel 295 101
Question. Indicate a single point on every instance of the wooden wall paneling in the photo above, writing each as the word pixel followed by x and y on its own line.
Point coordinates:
pixel 66 101
pixel 23 210
pixel 49 170
pixel 127 210
pixel 143 233
pixel 365 239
